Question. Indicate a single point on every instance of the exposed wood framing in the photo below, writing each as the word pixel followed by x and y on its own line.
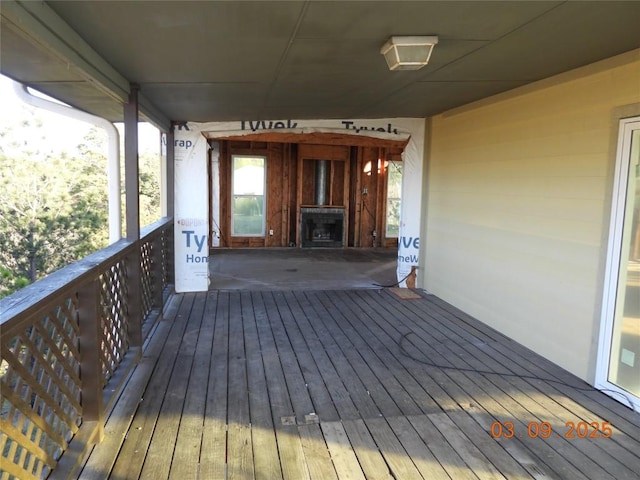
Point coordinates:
pixel 316 138
pixel 291 185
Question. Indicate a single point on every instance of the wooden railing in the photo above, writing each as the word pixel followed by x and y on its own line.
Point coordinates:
pixel 67 342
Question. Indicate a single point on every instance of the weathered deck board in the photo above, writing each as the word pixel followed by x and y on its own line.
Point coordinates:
pixel 316 453
pixel 289 443
pixel 468 356
pixel 596 403
pixel 409 395
pixel 471 454
pixel 138 437
pixel 350 384
pixel 186 456
pixel 422 457
pixel 352 355
pixel 388 394
pixel 160 452
pixel 400 464
pixel 371 460
pixel 318 391
pixel 545 408
pixel 450 459
pixel 265 448
pixel 239 444
pixel 342 455
pixel 213 452
pixel 345 370
pixel 340 397
pixel 388 336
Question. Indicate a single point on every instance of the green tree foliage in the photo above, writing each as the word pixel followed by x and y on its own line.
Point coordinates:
pixel 149 179
pixel 53 210
pixel 54 206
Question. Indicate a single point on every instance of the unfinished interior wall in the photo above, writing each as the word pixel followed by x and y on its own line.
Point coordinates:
pixel 352 186
pixel 518 204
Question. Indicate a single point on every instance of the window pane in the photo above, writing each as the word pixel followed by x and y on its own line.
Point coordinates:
pixel 248 199
pixel 624 367
pixel 394 195
pixel 248 215
pixel 393 217
pixel 248 175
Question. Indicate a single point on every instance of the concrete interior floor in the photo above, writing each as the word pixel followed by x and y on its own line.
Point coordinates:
pixel 301 268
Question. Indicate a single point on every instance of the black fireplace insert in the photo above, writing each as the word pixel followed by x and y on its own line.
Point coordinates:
pixel 322 227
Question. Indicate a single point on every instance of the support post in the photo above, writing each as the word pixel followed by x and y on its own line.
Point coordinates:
pixel 171 197
pixel 90 364
pixel 132 187
pixel 131 182
pixel 170 172
pixel 156 272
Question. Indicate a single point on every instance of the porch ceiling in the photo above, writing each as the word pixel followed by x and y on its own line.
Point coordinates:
pixel 216 61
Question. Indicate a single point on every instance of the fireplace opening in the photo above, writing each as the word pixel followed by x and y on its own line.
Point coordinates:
pixel 322 227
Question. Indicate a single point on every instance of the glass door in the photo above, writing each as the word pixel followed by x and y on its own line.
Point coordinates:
pixel 619 349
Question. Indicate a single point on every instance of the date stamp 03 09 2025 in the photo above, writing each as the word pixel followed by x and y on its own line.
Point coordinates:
pixel 545 430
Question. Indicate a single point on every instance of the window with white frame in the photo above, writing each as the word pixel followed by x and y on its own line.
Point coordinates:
pixel 248 202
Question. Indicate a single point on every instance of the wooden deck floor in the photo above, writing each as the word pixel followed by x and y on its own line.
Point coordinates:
pixel 342 384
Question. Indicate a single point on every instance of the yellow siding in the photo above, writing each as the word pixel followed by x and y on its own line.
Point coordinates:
pixel 518 197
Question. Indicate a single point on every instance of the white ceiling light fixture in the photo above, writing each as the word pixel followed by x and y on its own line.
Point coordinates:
pixel 408 53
